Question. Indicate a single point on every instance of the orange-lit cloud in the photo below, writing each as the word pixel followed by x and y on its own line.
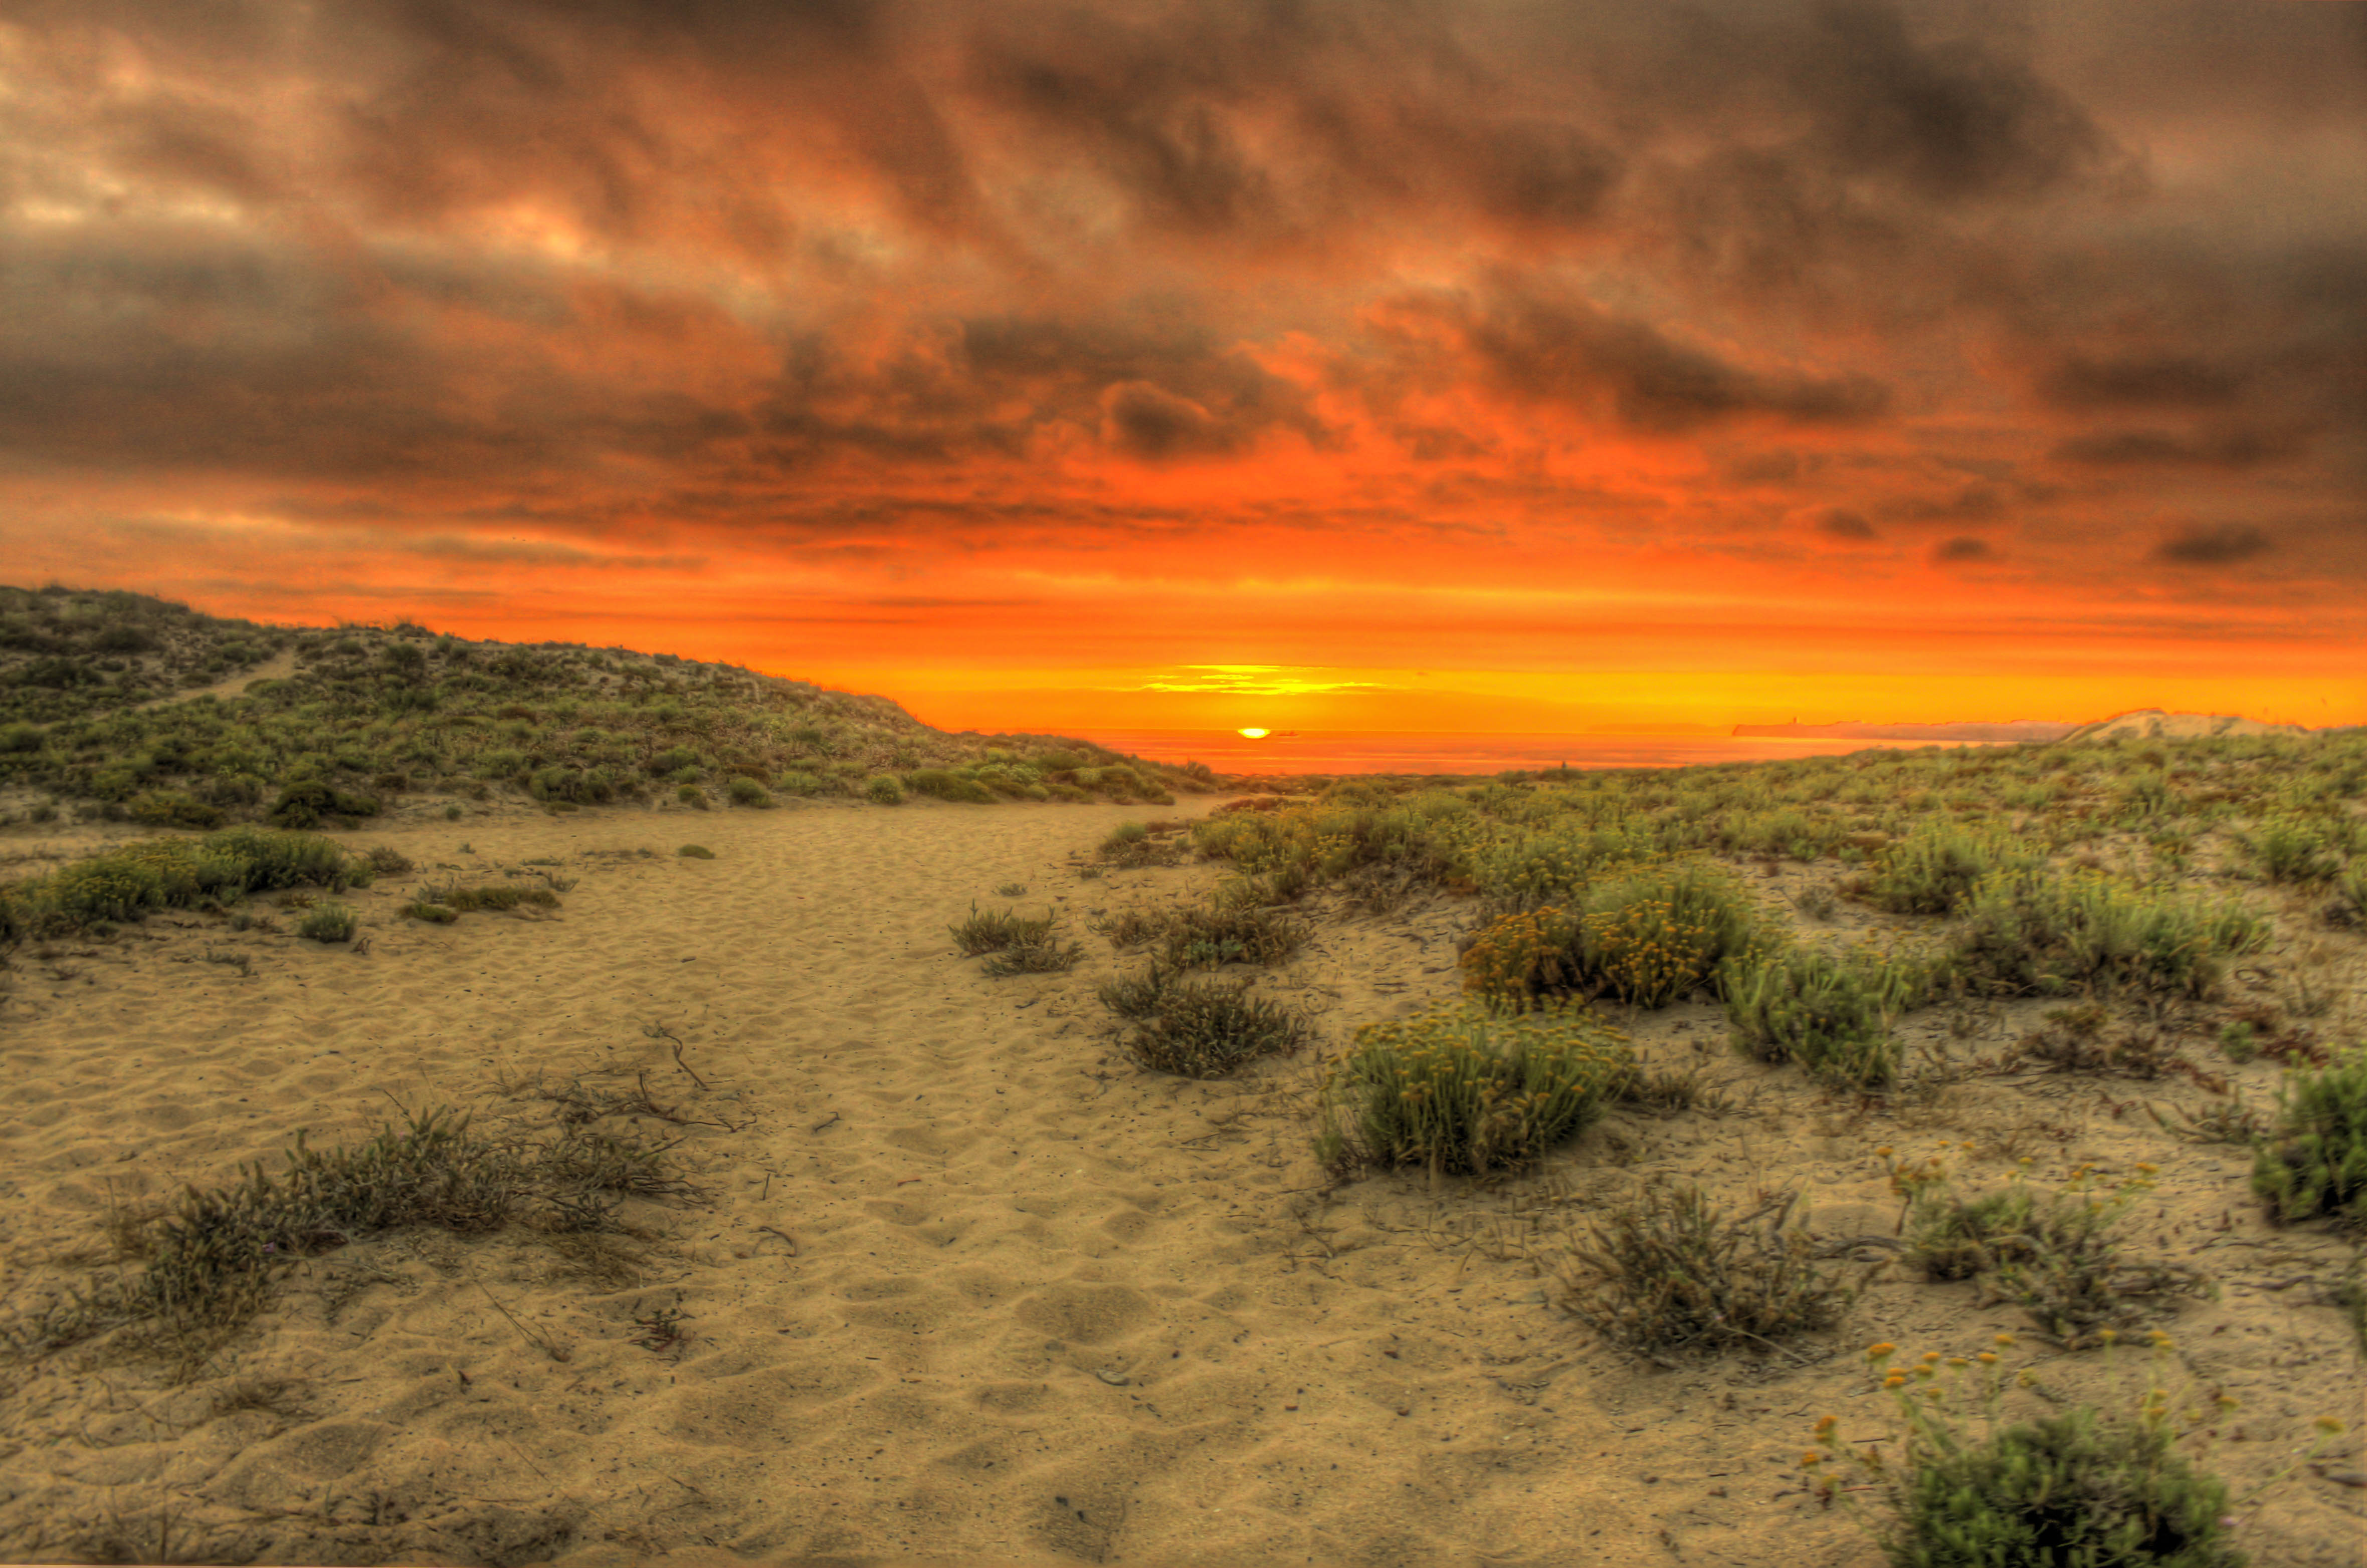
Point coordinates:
pixel 1471 365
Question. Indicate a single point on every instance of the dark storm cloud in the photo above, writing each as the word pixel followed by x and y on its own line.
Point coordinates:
pixel 1542 348
pixel 708 247
pixel 2220 546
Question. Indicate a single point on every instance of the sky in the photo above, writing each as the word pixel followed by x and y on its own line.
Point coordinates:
pixel 1415 364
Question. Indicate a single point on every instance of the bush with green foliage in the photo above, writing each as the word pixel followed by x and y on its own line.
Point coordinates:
pixel 2037 933
pixel 2294 847
pixel 1460 1090
pixel 1831 1014
pixel 329 923
pixel 2065 1489
pixel 882 789
pixel 128 882
pixel 2315 1160
pixel 743 791
pixel 1933 870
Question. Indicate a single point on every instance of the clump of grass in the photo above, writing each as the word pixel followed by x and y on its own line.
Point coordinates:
pixel 882 789
pixel 388 861
pixel 329 923
pixel 1673 1272
pixel 695 852
pixel 745 791
pixel 1011 890
pixel 1670 1092
pixel 1199 1029
pixel 1210 938
pixel 2055 1254
pixel 1134 844
pixel 1832 1015
pixel 493 896
pixel 1934 870
pixel 2286 847
pixel 215 1258
pixel 134 880
pixel 1041 954
pixel 433 914
pixel 2314 1162
pixel 2074 1041
pixel 992 931
pixel 2045 935
pixel 2061 1491
pixel 2349 907
pixel 1463 1090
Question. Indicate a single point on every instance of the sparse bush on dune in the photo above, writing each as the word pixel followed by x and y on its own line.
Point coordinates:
pixel 1199 1029
pixel 133 880
pixel 747 792
pixel 1460 1090
pixel 2292 847
pixel 1832 1015
pixel 2042 934
pixel 2314 1161
pixel 1648 937
pixel 1934 870
pixel 328 922
pixel 1673 1272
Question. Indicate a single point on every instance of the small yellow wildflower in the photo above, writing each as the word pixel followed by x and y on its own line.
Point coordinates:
pixel 2328 1424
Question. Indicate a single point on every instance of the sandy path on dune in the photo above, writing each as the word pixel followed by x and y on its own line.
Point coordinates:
pixel 967 1284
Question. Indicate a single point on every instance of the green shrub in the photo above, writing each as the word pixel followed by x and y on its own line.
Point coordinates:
pixel 2046 935
pixel 1199 1029
pixel 945 784
pixel 1832 1015
pixel 1673 1272
pixel 2287 847
pixel 2066 1490
pixel 172 808
pixel 748 792
pixel 2057 1255
pixel 2315 1161
pixel 695 852
pixel 1134 844
pixel 1933 870
pixel 673 760
pixel 329 923
pixel 881 789
pixel 311 803
pixel 1461 1091
pixel 1206 939
pixel 433 913
pixel 1038 954
pixel 2350 906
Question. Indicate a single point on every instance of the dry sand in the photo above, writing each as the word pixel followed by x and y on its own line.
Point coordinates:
pixel 971 1287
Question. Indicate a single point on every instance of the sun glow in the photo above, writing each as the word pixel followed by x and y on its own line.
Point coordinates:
pixel 1255 734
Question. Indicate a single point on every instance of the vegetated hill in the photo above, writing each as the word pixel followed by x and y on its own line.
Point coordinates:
pixel 372 717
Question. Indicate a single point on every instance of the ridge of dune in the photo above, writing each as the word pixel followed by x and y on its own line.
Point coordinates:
pixel 2154 724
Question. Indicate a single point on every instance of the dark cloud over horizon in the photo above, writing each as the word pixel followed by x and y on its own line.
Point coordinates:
pixel 670 275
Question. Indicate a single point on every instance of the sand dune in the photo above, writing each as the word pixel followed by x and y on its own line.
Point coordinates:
pixel 969 1286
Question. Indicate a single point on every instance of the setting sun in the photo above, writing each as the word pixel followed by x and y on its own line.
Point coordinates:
pixel 1255 734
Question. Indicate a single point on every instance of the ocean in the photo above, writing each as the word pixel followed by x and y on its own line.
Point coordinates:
pixel 1338 751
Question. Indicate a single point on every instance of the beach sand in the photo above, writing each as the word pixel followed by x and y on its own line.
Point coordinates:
pixel 967 1284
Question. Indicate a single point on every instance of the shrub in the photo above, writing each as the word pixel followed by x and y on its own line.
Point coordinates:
pixel 673 760
pixel 881 789
pixel 1133 843
pixel 2291 847
pixel 695 852
pixel 1934 870
pixel 172 808
pixel 1199 1029
pixel 2074 1041
pixel 2062 1491
pixel 2048 935
pixel 1656 935
pixel 433 913
pixel 2315 1161
pixel 2056 1256
pixel 748 792
pixel 1463 1090
pixel 1673 1272
pixel 388 861
pixel 1832 1015
pixel 1209 938
pixel 1041 955
pixel 945 784
pixel 992 931
pixel 2350 906
pixel 311 803
pixel 329 923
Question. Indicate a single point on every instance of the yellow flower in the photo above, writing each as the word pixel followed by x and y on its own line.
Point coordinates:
pixel 2004 1339
pixel 2328 1424
pixel 1987 1357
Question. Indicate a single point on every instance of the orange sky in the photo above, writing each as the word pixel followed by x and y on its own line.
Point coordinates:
pixel 1465 366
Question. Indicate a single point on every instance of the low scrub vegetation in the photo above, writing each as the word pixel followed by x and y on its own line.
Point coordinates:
pixel 2314 1162
pixel 1647 937
pixel 1199 1029
pixel 1831 1014
pixel 1673 1272
pixel 132 881
pixel 1460 1090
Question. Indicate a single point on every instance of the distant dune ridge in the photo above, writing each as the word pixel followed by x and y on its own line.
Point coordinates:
pixel 2137 723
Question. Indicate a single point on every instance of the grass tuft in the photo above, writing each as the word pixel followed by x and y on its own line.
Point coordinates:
pixel 2315 1161
pixel 1199 1029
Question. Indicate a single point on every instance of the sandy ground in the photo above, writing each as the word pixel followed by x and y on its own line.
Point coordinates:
pixel 969 1285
